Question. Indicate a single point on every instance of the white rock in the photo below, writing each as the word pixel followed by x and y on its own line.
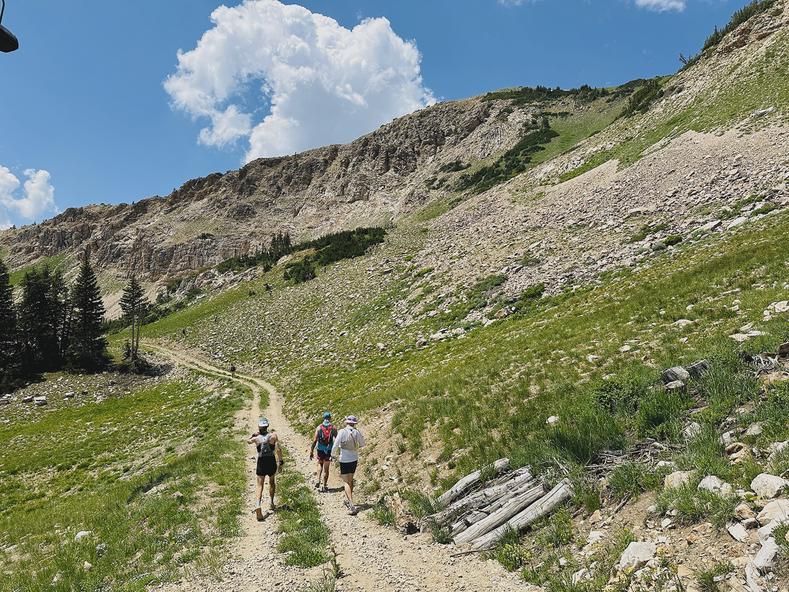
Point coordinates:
pixel 765 558
pixel 768 486
pixel 710 226
pixel 595 536
pixel 676 373
pixel 81 535
pixel 737 532
pixel 715 485
pixel 779 307
pixel 675 385
pixel 677 479
pixel 552 420
pixel 777 510
pixel 580 575
pixel 691 430
pixel 755 429
pixel 736 222
pixel 637 555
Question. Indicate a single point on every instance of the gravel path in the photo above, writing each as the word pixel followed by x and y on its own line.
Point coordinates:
pixel 372 557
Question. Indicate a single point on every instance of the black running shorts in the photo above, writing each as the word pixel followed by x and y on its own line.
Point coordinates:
pixel 348 468
pixel 267 466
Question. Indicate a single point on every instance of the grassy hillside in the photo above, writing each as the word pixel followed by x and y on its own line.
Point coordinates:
pixel 736 91
pixel 156 477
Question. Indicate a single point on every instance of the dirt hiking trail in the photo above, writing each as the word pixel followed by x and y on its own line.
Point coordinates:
pixel 372 557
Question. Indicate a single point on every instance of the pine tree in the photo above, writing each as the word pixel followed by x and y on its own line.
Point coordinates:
pixel 9 350
pixel 134 305
pixel 87 346
pixel 38 323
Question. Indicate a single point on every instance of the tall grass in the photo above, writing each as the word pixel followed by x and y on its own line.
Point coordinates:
pixel 130 470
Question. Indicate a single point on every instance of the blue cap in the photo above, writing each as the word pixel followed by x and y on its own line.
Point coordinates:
pixel 326 415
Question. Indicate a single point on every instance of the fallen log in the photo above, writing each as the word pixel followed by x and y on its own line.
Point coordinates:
pixel 467 482
pixel 511 508
pixel 535 511
pixel 481 513
pixel 484 497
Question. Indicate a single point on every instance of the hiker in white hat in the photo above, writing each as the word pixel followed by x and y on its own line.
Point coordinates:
pixel 347 444
pixel 268 447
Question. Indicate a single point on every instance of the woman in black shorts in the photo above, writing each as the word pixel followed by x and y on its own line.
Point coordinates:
pixel 269 458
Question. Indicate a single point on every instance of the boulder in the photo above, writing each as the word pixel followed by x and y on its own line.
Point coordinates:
pixel 698 369
pixel 674 374
pixel 768 486
pixel 783 350
pixel 715 485
pixel 637 555
pixel 675 385
pixel 677 479
pixel 774 510
pixel 40 401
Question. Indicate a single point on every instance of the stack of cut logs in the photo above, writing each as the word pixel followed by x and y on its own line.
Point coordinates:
pixel 480 514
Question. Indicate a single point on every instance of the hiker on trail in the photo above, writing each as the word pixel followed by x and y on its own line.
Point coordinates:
pixel 325 434
pixel 232 370
pixel 268 447
pixel 348 441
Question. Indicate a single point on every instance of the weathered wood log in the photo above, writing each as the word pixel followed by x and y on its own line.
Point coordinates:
pixel 542 507
pixel 467 482
pixel 483 497
pixel 511 508
pixel 478 514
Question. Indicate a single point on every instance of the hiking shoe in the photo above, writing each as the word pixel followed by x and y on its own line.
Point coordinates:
pixel 318 485
pixel 325 489
pixel 272 506
pixel 352 511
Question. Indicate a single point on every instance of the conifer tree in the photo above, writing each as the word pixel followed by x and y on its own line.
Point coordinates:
pixel 38 322
pixel 9 350
pixel 87 346
pixel 134 305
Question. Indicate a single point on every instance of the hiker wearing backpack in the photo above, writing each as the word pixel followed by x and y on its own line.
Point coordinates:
pixel 347 444
pixel 325 434
pixel 269 460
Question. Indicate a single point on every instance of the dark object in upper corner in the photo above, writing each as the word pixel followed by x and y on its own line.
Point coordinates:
pixel 8 41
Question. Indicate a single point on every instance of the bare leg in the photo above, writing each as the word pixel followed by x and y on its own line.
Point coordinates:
pixel 325 469
pixel 347 483
pixel 259 492
pixel 272 488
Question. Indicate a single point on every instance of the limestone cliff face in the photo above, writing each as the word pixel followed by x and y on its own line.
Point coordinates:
pixel 372 180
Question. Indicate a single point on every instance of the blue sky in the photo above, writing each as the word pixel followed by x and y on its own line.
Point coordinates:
pixel 86 116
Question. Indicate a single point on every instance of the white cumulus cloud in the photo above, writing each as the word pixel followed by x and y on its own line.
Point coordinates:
pixel 286 79
pixel 662 5
pixel 37 195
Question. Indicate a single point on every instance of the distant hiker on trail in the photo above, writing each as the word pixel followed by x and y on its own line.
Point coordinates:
pixel 233 370
pixel 268 447
pixel 325 434
pixel 348 442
